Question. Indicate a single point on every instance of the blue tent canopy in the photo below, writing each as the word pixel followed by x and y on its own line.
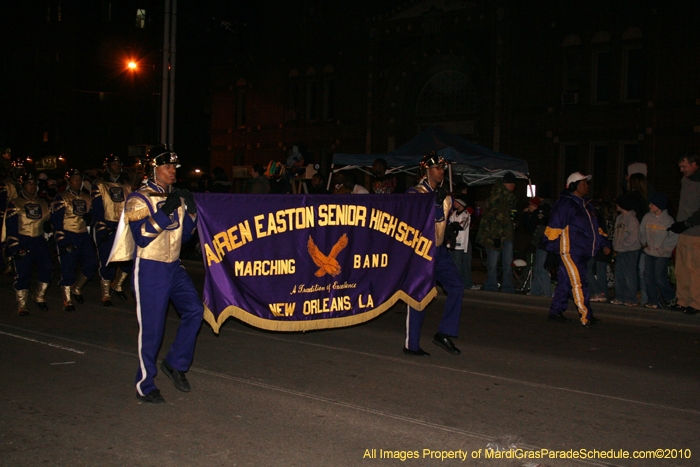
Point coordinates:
pixel 471 163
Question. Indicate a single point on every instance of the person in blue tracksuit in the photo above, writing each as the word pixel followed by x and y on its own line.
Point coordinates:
pixel 70 216
pixel 159 223
pixel 574 235
pixel 446 271
pixel 26 222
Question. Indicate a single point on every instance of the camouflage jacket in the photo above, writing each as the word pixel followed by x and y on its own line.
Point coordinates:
pixel 497 223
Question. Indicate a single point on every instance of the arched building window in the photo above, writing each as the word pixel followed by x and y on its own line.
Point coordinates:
pixel 632 65
pixel 571 83
pixel 329 92
pixel 602 68
pixel 450 92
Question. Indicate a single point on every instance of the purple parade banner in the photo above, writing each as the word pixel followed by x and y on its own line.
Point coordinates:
pixel 303 262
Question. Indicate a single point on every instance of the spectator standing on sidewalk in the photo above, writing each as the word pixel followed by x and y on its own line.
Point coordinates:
pixel 598 265
pixel 536 218
pixel 462 251
pixel 627 246
pixel 658 244
pixel 687 226
pixel 496 233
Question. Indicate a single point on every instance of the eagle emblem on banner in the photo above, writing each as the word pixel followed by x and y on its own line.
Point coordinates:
pixel 327 264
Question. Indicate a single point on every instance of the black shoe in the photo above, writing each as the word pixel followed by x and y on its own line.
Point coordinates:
pixel 676 307
pixel 120 294
pixel 689 310
pixel 416 353
pixel 177 377
pixel 107 302
pixel 69 308
pixel 43 306
pixel 23 313
pixel 152 397
pixel 79 298
pixel 444 341
pixel 558 318
pixel 591 321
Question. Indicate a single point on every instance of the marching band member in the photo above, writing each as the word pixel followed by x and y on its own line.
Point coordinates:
pixel 158 224
pixel 26 221
pixel 70 216
pixel 108 195
pixel 445 270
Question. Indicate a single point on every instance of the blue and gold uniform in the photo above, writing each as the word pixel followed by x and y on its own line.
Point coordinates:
pixel 446 273
pixel 108 196
pixel 69 211
pixel 25 224
pixel 158 224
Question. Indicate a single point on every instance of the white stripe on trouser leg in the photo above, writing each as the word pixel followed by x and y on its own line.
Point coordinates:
pixel 137 293
pixel 408 325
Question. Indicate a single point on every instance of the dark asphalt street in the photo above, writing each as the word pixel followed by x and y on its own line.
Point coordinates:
pixel 338 397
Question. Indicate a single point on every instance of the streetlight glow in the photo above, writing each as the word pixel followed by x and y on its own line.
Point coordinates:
pixel 132 65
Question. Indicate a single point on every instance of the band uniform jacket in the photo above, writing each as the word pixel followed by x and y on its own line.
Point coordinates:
pixel 108 198
pixel 441 215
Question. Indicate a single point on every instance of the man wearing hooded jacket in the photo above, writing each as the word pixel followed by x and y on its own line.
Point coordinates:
pixel 573 234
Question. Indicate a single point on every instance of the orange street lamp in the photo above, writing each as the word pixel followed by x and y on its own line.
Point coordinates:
pixel 132 65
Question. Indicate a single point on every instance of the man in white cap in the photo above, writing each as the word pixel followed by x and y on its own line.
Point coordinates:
pixel 573 233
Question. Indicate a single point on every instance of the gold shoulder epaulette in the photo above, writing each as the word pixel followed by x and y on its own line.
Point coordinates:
pixel 135 210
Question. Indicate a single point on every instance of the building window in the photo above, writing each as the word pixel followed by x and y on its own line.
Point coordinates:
pixel 328 99
pixel 240 108
pixel 311 100
pixel 629 153
pixel 448 93
pixel 293 96
pixel 328 93
pixel 569 161
pixel 632 71
pixel 602 171
pixel 602 76
pixel 140 18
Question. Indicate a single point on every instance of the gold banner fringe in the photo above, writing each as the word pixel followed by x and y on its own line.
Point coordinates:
pixel 309 325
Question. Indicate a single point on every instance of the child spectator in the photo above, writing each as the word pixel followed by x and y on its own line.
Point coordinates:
pixel 658 244
pixel 626 244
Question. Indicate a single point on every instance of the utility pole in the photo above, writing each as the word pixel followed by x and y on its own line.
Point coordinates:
pixel 167 109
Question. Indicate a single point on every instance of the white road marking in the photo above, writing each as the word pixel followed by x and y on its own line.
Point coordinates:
pixel 44 343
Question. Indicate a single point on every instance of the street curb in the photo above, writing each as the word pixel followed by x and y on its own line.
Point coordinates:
pixel 540 306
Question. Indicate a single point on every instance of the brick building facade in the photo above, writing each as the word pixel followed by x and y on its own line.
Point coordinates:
pixel 564 85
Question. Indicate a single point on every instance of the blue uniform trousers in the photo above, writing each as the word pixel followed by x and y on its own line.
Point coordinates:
pixel 447 274
pixel 38 254
pixel 84 252
pixel 572 281
pixel 155 284
pixel 104 248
